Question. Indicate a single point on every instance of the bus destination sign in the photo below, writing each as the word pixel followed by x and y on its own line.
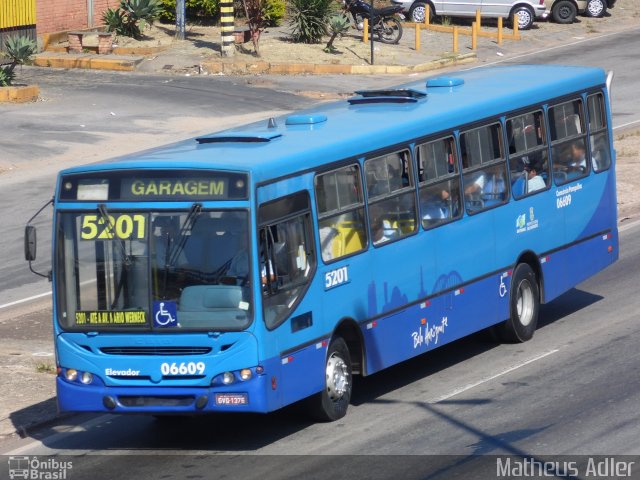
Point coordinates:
pixel 149 186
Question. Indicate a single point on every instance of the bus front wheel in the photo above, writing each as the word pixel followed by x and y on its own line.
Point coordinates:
pixel 332 403
pixel 524 305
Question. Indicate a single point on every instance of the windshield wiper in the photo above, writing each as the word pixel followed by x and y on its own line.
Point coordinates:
pixel 110 229
pixel 186 228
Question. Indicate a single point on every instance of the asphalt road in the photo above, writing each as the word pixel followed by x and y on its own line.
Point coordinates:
pixel 574 389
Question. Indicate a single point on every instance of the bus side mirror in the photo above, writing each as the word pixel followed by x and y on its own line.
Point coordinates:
pixel 30 243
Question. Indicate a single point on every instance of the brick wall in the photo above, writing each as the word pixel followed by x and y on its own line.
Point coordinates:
pixel 59 15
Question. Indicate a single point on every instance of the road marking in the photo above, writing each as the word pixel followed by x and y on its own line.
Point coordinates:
pixel 537 52
pixel 28 299
pixel 493 377
pixel 83 427
pixel 626 124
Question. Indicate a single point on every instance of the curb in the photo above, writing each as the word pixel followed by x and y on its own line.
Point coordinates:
pixel 87 61
pixel 19 94
pixel 214 67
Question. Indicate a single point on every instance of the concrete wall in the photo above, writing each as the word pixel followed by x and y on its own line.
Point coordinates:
pixel 59 15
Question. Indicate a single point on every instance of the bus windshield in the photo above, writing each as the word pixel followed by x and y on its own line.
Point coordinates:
pixel 154 270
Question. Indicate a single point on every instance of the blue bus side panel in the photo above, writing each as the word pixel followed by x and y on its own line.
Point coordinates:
pixel 424 326
pixel 303 372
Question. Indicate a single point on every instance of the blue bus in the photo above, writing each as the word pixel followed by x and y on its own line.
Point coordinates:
pixel 252 268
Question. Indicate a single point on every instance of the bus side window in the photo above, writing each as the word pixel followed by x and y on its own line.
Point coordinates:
pixel 286 254
pixel 439 184
pixel 568 142
pixel 528 153
pixel 392 203
pixel 483 167
pixel 341 221
pixel 598 133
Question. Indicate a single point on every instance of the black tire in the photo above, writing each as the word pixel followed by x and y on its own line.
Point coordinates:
pixel 596 8
pixel 331 404
pixel 524 305
pixel 524 16
pixel 389 30
pixel 564 11
pixel 418 11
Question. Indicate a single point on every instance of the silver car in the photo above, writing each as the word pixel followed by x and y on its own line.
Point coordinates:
pixel 525 11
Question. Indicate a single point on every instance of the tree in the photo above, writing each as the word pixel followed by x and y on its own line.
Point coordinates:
pixel 257 20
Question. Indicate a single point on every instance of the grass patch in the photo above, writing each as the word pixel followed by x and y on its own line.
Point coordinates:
pixel 45 367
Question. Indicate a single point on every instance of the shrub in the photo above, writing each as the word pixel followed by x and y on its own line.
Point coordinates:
pixel 195 9
pixel 309 19
pixel 338 24
pixel 131 16
pixel 19 49
pixel 6 76
pixel 274 11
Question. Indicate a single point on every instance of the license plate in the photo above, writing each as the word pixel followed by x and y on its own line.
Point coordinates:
pixel 232 399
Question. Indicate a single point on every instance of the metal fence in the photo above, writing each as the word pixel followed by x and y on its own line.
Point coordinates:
pixel 17 17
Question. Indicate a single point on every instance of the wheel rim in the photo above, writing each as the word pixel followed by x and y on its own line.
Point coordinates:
pixel 564 12
pixel 595 8
pixel 337 377
pixel 524 19
pixel 418 14
pixel 525 303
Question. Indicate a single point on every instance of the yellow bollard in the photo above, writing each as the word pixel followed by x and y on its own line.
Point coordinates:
pixel 455 39
pixel 427 15
pixel 474 36
pixel 417 37
pixel 516 33
pixel 478 20
pixel 499 30
pixel 365 31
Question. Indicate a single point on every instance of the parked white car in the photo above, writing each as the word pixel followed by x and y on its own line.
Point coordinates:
pixel 525 11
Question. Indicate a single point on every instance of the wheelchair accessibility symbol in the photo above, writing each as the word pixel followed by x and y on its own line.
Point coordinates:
pixel 165 314
pixel 502 289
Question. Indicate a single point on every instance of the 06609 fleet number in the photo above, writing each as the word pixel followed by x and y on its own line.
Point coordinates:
pixel 182 368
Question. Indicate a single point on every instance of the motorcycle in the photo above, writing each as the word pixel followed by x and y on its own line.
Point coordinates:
pixel 384 25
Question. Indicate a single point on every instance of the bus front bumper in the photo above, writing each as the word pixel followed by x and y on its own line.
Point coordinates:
pixel 251 396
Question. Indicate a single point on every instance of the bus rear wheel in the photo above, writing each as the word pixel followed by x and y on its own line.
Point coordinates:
pixel 524 304
pixel 331 404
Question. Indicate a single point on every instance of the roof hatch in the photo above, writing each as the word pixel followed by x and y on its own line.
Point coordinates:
pixel 406 95
pixel 239 137
pixel 444 82
pixel 309 119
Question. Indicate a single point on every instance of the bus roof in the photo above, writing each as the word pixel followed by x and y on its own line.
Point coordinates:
pixel 352 130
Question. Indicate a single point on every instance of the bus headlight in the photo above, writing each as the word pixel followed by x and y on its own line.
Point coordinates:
pixel 71 374
pixel 228 378
pixel 245 374
pixel 86 378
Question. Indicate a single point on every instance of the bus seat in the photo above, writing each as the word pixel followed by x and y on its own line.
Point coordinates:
pixel 404 226
pixel 519 187
pixel 348 239
pixel 207 298
pixel 560 177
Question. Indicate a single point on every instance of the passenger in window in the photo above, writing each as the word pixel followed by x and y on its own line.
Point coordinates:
pixel 534 180
pixel 378 231
pixel 489 185
pixel 436 206
pixel 578 160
